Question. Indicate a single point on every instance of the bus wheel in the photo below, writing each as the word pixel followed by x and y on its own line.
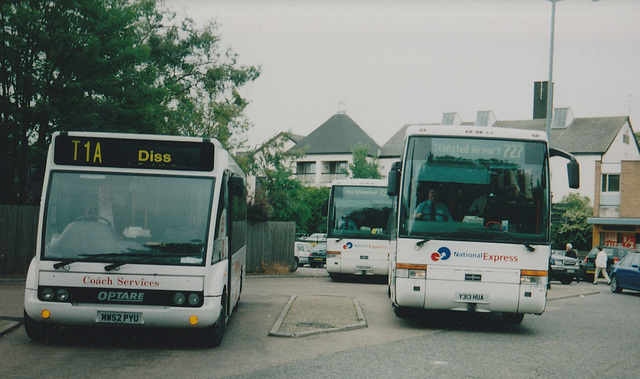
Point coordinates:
pixel 401 312
pixel 513 318
pixel 38 331
pixel 212 336
pixel 295 265
pixel 235 307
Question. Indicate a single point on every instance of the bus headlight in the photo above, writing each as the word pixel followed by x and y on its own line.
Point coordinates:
pixel 334 254
pixel 194 299
pixel 48 294
pixel 411 273
pixel 533 277
pixel 62 294
pixel 179 298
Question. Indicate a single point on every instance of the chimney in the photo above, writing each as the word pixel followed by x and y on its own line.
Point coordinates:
pixel 540 92
pixel 451 118
pixel 485 118
pixel 562 118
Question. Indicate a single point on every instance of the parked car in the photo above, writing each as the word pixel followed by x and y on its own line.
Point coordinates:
pixel 626 273
pixel 318 257
pixel 615 254
pixel 563 268
pixel 318 240
pixel 303 250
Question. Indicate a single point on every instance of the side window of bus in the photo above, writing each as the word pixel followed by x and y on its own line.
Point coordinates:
pixel 238 218
pixel 221 221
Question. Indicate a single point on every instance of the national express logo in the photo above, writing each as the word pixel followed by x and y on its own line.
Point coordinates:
pixel 347 246
pixel 442 254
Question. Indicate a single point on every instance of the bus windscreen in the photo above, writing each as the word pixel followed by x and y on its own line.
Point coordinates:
pixel 360 212
pixel 475 189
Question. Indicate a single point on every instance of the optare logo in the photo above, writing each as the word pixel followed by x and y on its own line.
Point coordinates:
pixel 347 246
pixel 442 254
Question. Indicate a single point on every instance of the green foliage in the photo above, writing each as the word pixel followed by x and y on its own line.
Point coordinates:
pixel 574 229
pixel 278 195
pixel 362 168
pixel 314 197
pixel 109 65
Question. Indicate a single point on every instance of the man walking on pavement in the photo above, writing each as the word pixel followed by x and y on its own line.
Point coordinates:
pixel 601 266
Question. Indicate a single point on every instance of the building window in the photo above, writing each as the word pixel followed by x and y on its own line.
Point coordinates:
pixel 610 183
pixel 305 168
pixel 626 139
pixel 338 167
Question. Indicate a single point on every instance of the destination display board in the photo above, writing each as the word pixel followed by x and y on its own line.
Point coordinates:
pixel 133 153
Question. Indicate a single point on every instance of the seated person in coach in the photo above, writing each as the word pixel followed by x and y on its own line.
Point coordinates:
pixel 432 209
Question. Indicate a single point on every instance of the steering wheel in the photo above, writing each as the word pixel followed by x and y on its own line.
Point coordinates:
pixel 94 218
pixel 493 225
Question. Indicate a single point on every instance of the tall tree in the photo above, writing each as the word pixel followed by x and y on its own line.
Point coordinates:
pixel 362 167
pixel 109 65
pixel 279 196
pixel 574 227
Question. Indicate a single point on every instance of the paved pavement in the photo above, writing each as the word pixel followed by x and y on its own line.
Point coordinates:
pixel 303 315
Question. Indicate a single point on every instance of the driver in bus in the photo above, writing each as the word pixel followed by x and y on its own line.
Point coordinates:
pixel 346 223
pixel 432 209
pixel 106 209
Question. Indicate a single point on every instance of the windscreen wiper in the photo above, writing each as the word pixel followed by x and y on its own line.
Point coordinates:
pixel 438 237
pixel 169 249
pixel 85 257
pixel 140 258
pixel 529 247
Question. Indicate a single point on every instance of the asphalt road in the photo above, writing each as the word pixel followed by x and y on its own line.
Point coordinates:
pixel 586 332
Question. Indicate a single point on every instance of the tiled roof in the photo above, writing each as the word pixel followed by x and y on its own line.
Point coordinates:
pixel 338 135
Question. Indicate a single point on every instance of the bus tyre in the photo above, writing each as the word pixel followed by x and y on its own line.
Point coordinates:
pixel 38 331
pixel 295 265
pixel 615 286
pixel 212 336
pixel 513 318
pixel 401 312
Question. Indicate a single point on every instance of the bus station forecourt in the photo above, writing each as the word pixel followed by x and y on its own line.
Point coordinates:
pixel 315 311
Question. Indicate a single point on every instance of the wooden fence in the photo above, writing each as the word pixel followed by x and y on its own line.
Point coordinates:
pixel 18 225
pixel 270 243
pixel 267 242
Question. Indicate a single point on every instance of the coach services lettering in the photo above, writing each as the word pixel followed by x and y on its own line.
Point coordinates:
pixel 119 281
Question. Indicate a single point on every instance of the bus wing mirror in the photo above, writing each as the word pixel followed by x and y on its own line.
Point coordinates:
pixel 573 167
pixel 325 208
pixel 393 184
pixel 573 172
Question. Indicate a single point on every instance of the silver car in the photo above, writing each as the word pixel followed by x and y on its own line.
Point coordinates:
pixel 563 268
pixel 302 252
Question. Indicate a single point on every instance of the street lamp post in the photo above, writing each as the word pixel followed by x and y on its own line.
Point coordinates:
pixel 550 84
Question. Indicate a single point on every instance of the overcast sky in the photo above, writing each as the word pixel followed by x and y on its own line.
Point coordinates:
pixel 400 62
